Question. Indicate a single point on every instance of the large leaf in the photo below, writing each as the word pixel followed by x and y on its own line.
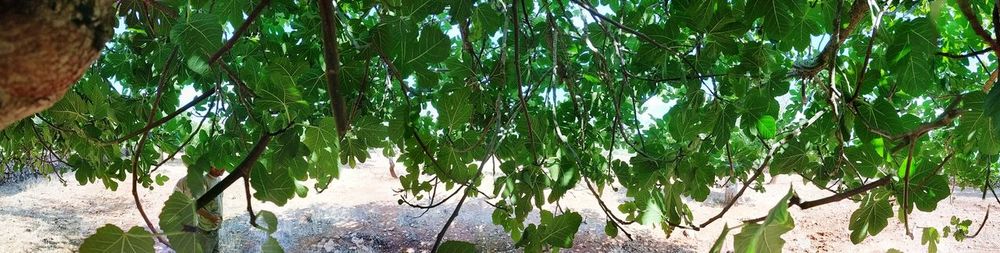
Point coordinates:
pixel 978 130
pixel 110 238
pixel 457 247
pixel 322 142
pixel 766 236
pixel 198 36
pixel 179 219
pixel 871 217
pixel 276 186
pixel 912 49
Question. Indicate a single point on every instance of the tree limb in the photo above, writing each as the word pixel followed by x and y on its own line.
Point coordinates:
pixel 964 55
pixel 764 164
pixel 167 118
pixel 239 32
pixel 977 25
pixel 241 170
pixel 858 10
pixel 332 60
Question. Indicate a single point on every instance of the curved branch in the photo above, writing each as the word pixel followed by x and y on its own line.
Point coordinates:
pixel 977 25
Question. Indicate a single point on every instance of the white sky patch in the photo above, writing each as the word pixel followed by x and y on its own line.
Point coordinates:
pixel 654 109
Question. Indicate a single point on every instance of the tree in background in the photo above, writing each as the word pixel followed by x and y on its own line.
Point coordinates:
pixel 880 102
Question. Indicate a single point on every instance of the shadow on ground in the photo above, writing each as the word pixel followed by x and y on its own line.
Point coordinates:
pixel 389 228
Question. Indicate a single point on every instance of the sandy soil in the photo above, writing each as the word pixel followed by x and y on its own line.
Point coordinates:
pixel 359 214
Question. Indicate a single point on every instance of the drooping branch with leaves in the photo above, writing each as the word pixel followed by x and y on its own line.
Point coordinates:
pixel 884 103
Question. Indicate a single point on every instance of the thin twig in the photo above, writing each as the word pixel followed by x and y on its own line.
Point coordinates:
pixel 160 89
pixel 253 216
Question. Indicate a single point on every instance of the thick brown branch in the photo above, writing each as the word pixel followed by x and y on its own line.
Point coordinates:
pixel 241 170
pixel 246 188
pixel 332 60
pixel 868 56
pixel 944 119
pixel 841 196
pixel 142 143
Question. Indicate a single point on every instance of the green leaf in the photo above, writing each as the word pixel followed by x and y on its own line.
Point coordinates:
pixel 865 160
pixel 792 158
pixel 870 218
pixel 455 109
pixel 561 231
pixel 611 229
pixel 881 116
pixel 178 212
pixel 717 246
pixel 911 52
pixel 110 238
pixel 779 16
pixel 926 188
pixel 766 127
pixel 321 140
pixel 766 236
pixel 183 225
pixel 457 247
pixel 683 122
pixel 930 238
pixel 977 130
pixel 270 221
pixel 274 186
pixel 198 36
pixel 271 246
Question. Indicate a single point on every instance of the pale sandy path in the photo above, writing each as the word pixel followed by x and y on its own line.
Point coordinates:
pixel 359 214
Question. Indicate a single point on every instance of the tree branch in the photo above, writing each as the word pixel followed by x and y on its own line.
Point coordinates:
pixel 253 216
pixel 241 170
pixel 858 10
pixel 632 31
pixel 183 144
pixel 161 87
pixel 868 56
pixel 944 119
pixel 977 25
pixel 964 55
pixel 239 32
pixel 843 195
pixel 167 118
pixel 767 159
pixel 332 60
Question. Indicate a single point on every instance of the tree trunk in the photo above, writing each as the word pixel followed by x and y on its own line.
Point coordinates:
pixel 45 47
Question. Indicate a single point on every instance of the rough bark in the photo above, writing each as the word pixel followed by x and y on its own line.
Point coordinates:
pixel 45 47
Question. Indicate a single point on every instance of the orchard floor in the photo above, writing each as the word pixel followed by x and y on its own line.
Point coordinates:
pixel 359 214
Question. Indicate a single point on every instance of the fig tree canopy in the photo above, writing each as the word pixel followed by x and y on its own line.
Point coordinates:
pixel 515 102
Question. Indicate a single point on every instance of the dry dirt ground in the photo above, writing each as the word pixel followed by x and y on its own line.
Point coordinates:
pixel 359 214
